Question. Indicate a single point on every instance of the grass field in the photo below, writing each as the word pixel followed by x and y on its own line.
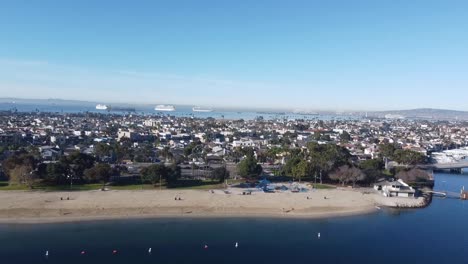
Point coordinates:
pixel 190 185
pixel 323 186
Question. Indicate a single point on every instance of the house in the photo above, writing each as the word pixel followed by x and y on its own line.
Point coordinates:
pixel 50 153
pixel 395 189
pixel 243 143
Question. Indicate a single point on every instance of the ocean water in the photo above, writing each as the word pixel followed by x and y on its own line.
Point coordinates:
pixel 436 234
pixel 183 111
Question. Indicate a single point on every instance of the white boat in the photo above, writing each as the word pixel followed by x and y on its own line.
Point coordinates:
pixel 101 107
pixel 165 108
pixel 202 109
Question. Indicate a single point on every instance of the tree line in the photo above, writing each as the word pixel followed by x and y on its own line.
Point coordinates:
pixel 331 163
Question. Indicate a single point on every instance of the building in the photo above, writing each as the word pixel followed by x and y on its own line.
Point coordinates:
pixel 395 189
pixel 243 143
pixel 127 134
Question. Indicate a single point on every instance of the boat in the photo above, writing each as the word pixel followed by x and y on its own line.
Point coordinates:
pixel 202 109
pixel 165 108
pixel 101 107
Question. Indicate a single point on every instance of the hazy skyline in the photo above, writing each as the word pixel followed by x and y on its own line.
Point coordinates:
pixel 334 55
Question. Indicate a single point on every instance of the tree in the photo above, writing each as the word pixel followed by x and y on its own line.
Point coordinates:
pixel 20 168
pixel 77 163
pixel 290 165
pixel 326 157
pixel 413 176
pixel 387 150
pixel 166 154
pixel 23 174
pixel 188 150
pixel 373 169
pixel 220 174
pixel 345 174
pixel 372 164
pixel 102 150
pixel 154 173
pixel 409 157
pixel 317 135
pixel 99 173
pixel 249 168
pixel 174 173
pixel 55 173
pixel 345 136
pixel 302 169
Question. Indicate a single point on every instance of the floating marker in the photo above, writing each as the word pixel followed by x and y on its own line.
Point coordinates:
pixel 83 252
pixel 47 253
pixel 149 251
pixel 206 247
pixel 237 245
pixel 318 235
pixel 114 251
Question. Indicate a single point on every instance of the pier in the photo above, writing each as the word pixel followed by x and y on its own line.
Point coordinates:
pixel 463 195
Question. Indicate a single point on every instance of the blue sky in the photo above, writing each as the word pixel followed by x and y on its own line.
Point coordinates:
pixel 333 55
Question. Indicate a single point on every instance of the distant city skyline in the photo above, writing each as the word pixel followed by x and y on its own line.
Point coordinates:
pixel 334 55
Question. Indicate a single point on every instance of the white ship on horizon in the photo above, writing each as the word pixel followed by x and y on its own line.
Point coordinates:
pixel 202 109
pixel 102 107
pixel 166 108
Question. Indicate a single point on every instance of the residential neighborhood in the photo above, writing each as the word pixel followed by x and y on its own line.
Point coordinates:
pixel 197 146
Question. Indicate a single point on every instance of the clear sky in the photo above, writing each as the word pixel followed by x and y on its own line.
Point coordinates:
pixel 334 55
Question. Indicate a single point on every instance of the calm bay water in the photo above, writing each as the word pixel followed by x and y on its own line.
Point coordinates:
pixel 437 234
pixel 183 111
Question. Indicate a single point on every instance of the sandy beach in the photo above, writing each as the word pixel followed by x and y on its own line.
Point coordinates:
pixel 37 206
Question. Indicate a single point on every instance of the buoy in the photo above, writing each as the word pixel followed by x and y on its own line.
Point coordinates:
pixel 47 253
pixel 237 245
pixel 318 235
pixel 114 251
pixel 83 252
pixel 149 251
pixel 206 247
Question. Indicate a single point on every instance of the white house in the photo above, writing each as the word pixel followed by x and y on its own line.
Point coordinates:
pixel 243 143
pixel 395 189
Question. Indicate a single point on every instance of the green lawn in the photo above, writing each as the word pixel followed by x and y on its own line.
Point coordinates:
pixel 134 187
pixel 80 187
pixel 187 184
pixel 323 186
pixel 4 185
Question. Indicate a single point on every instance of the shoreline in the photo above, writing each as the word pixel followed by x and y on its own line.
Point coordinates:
pixel 23 207
pixel 87 219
